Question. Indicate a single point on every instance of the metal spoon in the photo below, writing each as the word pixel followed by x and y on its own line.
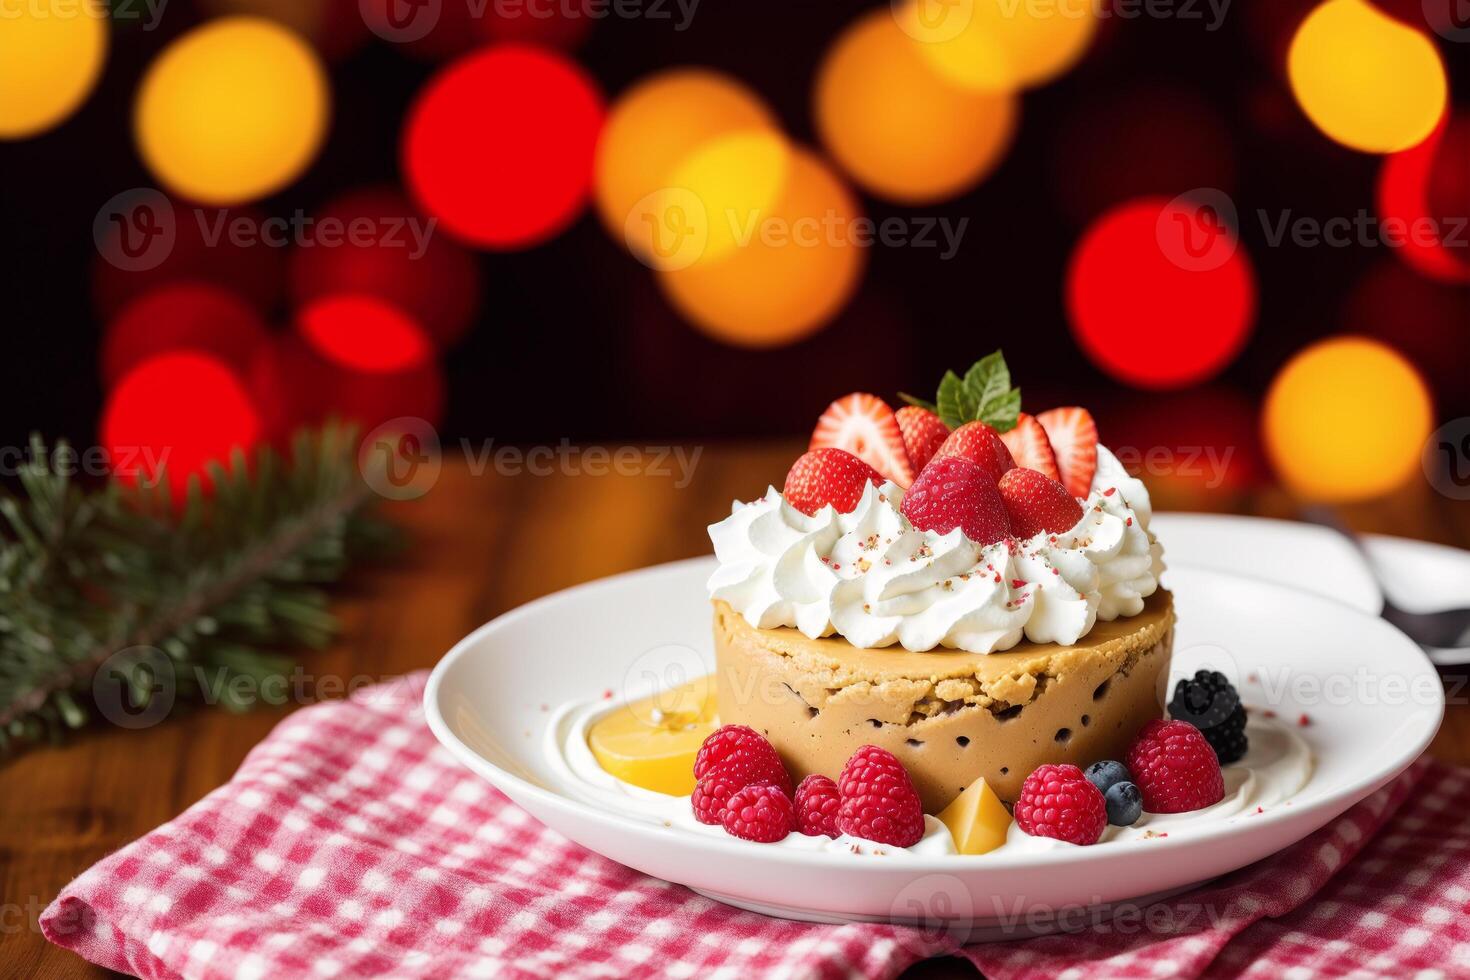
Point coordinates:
pixel 1445 629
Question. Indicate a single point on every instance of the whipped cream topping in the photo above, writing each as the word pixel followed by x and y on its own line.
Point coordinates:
pixel 873 578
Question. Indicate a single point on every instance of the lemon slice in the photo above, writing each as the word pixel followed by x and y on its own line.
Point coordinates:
pixel 652 743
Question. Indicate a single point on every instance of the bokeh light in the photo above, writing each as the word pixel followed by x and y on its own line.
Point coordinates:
pixel 231 111
pixel 335 28
pixel 560 25
pixel 999 45
pixel 1420 189
pixel 1366 79
pixel 392 252
pixel 717 195
pixel 185 316
pixel 499 146
pixel 798 266
pixel 897 126
pixel 51 54
pixel 176 411
pixel 651 130
pixel 1346 419
pixel 1160 293
pixel 364 333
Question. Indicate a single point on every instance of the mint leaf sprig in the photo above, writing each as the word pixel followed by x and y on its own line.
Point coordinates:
pixel 984 394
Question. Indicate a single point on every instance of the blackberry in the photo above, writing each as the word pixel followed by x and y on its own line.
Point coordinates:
pixel 1209 703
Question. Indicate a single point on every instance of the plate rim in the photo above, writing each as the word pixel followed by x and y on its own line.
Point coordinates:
pixel 1356 790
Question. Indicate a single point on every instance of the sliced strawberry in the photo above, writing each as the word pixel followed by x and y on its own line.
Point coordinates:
pixel 923 434
pixel 1029 447
pixel 954 492
pixel 1073 437
pixel 865 426
pixel 1035 503
pixel 828 476
pixel 980 444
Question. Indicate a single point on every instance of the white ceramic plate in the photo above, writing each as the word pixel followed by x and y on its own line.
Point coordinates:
pixel 1418 575
pixel 491 698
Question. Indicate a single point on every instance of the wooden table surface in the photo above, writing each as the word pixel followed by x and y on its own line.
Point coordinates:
pixel 481 544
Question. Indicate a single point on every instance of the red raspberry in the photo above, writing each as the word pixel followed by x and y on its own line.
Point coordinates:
pixel 879 802
pixel 710 796
pixel 1175 768
pixel 743 755
pixel 1061 802
pixel 760 813
pixel 817 801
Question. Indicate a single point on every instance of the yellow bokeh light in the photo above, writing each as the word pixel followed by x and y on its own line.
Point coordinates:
pixel 1368 81
pixel 232 111
pixel 51 54
pixel 897 126
pixel 1346 419
pixel 793 269
pixel 1001 45
pixel 651 132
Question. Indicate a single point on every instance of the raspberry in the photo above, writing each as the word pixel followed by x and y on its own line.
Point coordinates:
pixel 1175 768
pixel 817 802
pixel 743 755
pixel 710 796
pixel 1209 703
pixel 1060 802
pixel 760 813
pixel 879 802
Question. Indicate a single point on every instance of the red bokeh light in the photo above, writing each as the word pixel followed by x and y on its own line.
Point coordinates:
pixel 187 316
pixel 399 258
pixel 211 254
pixel 295 386
pixel 1195 446
pixel 1421 185
pixel 1160 294
pixel 177 411
pixel 364 333
pixel 499 145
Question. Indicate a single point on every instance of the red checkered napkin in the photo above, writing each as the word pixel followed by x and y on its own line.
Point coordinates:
pixel 350 844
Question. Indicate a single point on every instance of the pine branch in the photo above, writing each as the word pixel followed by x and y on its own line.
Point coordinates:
pixel 225 583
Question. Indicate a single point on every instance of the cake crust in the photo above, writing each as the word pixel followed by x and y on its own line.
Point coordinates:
pixel 948 716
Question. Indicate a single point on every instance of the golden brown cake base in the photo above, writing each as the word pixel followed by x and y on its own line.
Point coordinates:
pixel 948 716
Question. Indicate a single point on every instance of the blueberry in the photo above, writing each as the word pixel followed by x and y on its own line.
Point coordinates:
pixel 1106 773
pixel 1125 804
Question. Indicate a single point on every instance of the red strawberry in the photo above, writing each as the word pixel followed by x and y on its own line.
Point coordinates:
pixel 981 444
pixel 954 492
pixel 1036 503
pixel 865 426
pixel 1029 447
pixel 828 476
pixel 1073 438
pixel 923 434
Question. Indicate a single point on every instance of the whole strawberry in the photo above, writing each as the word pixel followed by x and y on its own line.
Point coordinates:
pixel 1060 802
pixel 981 445
pixel 741 754
pixel 954 492
pixel 817 802
pixel 1175 768
pixel 761 813
pixel 1035 503
pixel 923 434
pixel 879 802
pixel 828 476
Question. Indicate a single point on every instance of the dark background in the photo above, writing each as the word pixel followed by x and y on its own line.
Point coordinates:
pixel 574 339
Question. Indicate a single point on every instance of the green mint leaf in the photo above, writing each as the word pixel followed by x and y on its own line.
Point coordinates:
pixel 988 382
pixel 956 403
pixel 1001 414
pixel 918 402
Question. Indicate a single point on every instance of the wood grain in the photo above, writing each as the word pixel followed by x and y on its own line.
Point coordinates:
pixel 483 543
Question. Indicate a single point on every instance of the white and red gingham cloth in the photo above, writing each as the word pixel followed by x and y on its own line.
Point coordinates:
pixel 350 844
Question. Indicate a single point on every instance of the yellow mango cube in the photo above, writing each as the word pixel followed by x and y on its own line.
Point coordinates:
pixel 977 819
pixel 652 743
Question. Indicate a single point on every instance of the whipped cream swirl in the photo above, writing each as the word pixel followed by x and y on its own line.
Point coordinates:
pixel 873 578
